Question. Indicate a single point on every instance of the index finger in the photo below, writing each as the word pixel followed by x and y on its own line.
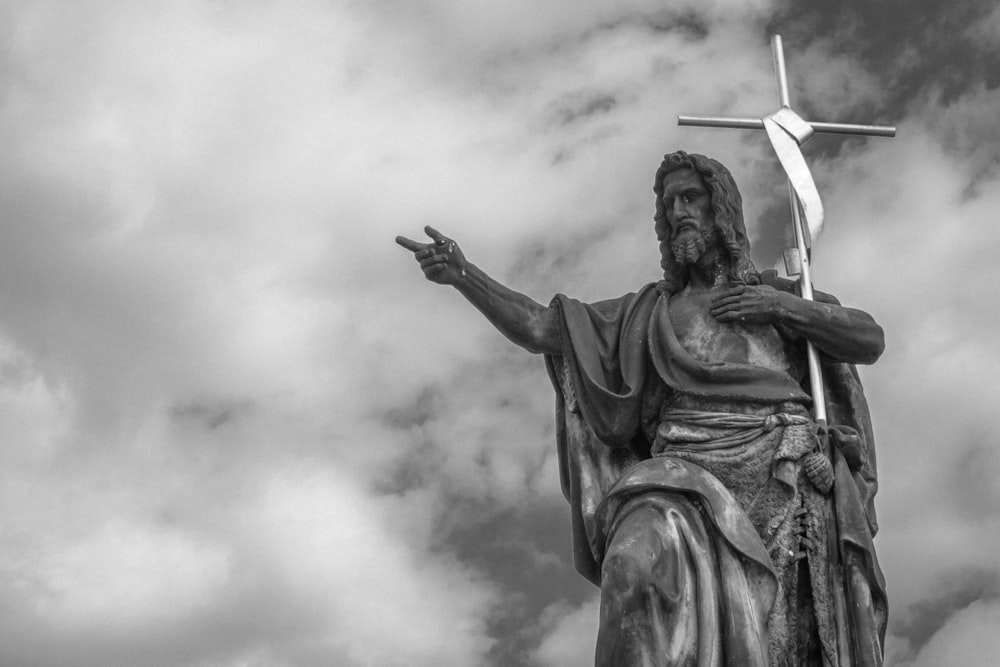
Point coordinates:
pixel 410 244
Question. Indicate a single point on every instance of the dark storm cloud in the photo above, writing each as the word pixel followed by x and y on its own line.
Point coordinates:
pixel 213 414
pixel 581 105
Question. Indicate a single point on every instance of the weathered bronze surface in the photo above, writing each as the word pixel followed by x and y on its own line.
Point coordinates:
pixel 722 525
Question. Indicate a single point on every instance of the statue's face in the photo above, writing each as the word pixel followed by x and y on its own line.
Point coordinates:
pixel 688 207
pixel 687 202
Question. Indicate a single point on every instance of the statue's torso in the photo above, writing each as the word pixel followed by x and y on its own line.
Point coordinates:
pixel 711 341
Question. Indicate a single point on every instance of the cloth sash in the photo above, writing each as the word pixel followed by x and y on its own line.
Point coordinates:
pixel 698 430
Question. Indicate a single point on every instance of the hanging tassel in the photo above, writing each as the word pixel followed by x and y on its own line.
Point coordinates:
pixel 820 471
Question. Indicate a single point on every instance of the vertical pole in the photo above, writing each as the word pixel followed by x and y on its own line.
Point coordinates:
pixel 801 236
pixel 779 69
pixel 805 285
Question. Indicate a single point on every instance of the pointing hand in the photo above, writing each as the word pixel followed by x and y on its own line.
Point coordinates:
pixel 442 261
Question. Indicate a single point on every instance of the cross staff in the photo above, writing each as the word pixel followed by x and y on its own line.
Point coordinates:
pixel 787 132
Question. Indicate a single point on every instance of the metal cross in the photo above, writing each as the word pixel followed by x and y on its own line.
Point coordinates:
pixel 788 132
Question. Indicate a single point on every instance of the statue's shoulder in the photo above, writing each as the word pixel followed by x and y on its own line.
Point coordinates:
pixel 647 294
pixel 772 279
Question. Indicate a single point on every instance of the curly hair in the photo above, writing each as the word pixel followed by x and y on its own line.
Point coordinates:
pixel 727 208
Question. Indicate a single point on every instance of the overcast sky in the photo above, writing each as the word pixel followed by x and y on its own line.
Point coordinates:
pixel 237 427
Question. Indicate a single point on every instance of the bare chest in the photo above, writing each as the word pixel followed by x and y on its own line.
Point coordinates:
pixel 711 341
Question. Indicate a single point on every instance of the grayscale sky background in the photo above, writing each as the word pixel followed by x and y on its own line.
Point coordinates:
pixel 237 427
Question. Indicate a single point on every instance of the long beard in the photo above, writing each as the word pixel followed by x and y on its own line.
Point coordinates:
pixel 690 245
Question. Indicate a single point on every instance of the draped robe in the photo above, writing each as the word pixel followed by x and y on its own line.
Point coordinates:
pixel 620 363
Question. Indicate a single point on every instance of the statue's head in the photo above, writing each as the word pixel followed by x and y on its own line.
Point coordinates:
pixel 727 210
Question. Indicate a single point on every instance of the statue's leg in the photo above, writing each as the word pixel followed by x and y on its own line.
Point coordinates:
pixel 659 605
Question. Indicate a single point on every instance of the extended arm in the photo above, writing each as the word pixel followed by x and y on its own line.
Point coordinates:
pixel 845 334
pixel 520 318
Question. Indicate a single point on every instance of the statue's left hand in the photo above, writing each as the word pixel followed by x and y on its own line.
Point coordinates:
pixel 751 304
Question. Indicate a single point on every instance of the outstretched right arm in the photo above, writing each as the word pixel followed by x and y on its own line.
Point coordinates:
pixel 520 318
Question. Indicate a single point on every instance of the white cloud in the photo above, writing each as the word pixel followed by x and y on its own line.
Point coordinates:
pixel 969 638
pixel 139 575
pixel 571 637
pixel 380 600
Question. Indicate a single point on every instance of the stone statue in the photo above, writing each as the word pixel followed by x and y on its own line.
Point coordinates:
pixel 722 526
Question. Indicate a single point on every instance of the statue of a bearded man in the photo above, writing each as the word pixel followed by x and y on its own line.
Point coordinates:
pixel 720 525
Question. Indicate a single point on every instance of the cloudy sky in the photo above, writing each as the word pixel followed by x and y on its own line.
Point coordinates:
pixel 237 427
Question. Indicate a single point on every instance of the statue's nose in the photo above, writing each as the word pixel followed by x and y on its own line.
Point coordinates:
pixel 679 209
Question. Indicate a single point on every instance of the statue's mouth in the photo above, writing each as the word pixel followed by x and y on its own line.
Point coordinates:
pixel 687 223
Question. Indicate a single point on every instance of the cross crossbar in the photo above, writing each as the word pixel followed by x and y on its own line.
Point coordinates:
pixel 758 124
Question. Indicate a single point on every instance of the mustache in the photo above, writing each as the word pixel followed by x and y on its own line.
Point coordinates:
pixel 685 225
